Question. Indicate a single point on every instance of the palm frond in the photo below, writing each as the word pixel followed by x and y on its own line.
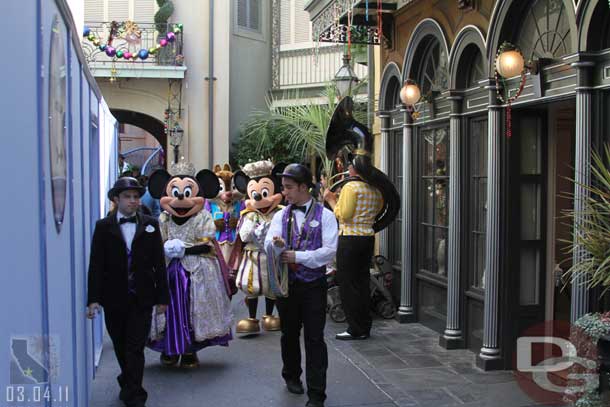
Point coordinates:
pixel 591 232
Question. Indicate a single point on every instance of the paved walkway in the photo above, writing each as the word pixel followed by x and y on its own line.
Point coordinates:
pixel 401 365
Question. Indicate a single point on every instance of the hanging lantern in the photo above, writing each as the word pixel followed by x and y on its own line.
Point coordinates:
pixel 345 78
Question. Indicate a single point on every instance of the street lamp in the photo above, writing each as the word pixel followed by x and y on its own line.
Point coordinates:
pixel 510 63
pixel 175 139
pixel 345 78
pixel 410 94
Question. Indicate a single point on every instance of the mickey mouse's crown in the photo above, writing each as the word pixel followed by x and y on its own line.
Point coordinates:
pixel 258 169
pixel 183 168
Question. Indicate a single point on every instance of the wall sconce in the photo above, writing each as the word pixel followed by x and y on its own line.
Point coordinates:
pixel 510 63
pixel 409 96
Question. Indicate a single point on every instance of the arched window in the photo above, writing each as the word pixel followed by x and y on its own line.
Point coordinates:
pixel 477 68
pixel 599 29
pixel 545 31
pixel 433 73
pixel 392 96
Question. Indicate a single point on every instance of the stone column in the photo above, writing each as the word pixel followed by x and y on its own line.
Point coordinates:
pixel 406 311
pixel 490 357
pixel 384 167
pixel 453 338
pixel 582 176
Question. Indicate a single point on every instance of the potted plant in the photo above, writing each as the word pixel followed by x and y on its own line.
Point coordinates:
pixel 593 236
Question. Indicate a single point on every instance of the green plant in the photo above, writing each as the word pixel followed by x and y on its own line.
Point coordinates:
pixel 166 9
pixel 592 233
pixel 299 131
pixel 587 331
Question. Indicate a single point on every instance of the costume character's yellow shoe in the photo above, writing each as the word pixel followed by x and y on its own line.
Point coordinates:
pixel 271 323
pixel 248 326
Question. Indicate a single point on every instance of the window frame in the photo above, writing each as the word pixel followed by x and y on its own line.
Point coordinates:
pixel 395 173
pixel 421 272
pixel 247 32
pixel 471 290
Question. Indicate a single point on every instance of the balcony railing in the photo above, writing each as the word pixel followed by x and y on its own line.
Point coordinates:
pixel 144 46
pixel 308 67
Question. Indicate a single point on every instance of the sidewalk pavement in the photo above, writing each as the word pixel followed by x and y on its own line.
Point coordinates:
pixel 400 365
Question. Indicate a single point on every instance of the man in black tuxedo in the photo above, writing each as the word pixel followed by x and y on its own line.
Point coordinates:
pixel 127 277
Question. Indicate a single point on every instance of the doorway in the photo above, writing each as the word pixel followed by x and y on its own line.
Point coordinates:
pixel 562 127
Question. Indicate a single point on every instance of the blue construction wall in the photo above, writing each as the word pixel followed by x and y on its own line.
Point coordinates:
pixel 48 348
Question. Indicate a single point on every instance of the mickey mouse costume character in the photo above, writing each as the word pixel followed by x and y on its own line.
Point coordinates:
pixel 199 312
pixel 225 209
pixel 262 185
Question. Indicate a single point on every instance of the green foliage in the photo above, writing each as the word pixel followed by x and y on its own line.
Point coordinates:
pixel 593 232
pixel 594 325
pixel 297 132
pixel 166 9
pixel 272 145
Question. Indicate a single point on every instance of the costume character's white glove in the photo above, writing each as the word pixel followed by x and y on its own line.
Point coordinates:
pixel 174 248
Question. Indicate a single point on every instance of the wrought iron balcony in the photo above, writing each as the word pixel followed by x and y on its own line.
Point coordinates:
pixel 368 24
pixel 128 49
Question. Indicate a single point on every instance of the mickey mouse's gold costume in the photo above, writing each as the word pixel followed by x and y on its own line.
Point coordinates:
pixel 262 186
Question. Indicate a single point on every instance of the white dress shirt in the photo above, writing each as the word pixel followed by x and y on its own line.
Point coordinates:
pixel 128 229
pixel 308 258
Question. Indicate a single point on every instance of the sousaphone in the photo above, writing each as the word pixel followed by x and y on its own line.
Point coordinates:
pixel 346 138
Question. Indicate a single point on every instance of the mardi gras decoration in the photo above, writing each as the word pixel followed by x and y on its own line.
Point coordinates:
pixel 129 31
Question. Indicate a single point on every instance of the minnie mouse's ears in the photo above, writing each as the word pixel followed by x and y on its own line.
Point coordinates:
pixel 157 182
pixel 208 182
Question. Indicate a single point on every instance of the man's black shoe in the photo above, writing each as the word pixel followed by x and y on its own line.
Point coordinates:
pixel 295 387
pixel 346 336
pixel 314 403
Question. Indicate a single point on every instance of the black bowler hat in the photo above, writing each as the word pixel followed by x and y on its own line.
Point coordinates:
pixel 298 172
pixel 125 184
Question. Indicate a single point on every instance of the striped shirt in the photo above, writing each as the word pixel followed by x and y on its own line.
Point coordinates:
pixel 358 205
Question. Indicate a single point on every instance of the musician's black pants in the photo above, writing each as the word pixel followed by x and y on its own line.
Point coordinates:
pixel 354 255
pixel 305 306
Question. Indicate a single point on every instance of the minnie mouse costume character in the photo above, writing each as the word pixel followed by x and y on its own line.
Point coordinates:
pixel 225 209
pixel 260 182
pixel 199 312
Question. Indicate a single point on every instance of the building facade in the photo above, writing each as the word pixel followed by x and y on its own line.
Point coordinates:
pixel 481 241
pixel 202 81
pixel 303 68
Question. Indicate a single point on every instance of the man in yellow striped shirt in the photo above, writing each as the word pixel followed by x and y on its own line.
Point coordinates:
pixel 357 208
